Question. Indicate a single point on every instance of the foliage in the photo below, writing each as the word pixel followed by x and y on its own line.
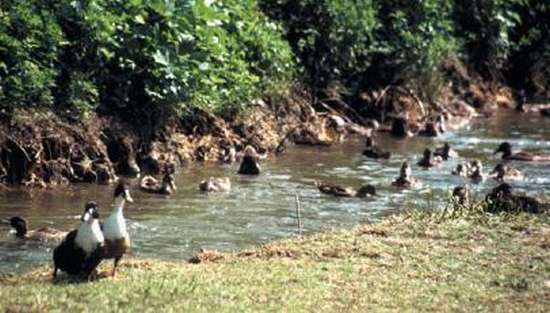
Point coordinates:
pixel 140 59
pixel 29 43
pixel 368 42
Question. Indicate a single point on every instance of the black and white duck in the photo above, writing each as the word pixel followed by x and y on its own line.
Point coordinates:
pixel 20 225
pixel 167 186
pixel 503 172
pixel 82 249
pixel 429 159
pixel 445 152
pixel 215 184
pixel 461 195
pixel 373 151
pixel 405 179
pixel 117 239
pixel 506 149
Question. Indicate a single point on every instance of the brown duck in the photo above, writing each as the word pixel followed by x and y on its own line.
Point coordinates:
pixel 429 160
pixel 506 149
pixel 405 179
pixel 20 226
pixel 373 151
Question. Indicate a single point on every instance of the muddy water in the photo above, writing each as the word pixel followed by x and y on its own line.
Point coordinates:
pixel 262 208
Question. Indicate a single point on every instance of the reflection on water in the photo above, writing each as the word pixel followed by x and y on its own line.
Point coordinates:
pixel 261 208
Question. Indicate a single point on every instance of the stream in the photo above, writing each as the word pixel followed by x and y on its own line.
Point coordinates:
pixel 260 209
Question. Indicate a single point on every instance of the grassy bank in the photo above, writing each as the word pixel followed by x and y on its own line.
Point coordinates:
pixel 408 263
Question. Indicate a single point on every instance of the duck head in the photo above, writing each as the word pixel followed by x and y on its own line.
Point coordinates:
pixel 90 212
pixel 502 190
pixel 19 224
pixel 505 148
pixel 461 194
pixel 168 183
pixel 366 190
pixel 122 193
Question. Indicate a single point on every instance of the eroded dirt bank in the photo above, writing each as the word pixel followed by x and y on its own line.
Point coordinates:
pixel 39 149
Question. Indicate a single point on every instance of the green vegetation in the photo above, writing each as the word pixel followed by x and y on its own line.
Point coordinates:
pixel 146 61
pixel 139 59
pixel 459 261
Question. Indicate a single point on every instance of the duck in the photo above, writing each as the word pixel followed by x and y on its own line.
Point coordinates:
pixel 431 129
pixel 503 171
pixel 249 163
pixel 372 151
pixel 506 149
pixel 117 239
pixel 428 159
pixel 445 152
pixel 215 184
pixel 339 191
pixel 82 249
pixel 476 174
pixel 400 128
pixel 521 101
pixel 152 185
pixel 20 225
pixel 462 169
pixel 334 190
pixel 405 179
pixel 502 199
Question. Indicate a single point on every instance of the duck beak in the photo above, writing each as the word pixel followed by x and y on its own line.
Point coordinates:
pixel 127 196
pixel 4 221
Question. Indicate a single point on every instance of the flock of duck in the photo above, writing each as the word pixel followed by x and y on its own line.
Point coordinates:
pixel 80 251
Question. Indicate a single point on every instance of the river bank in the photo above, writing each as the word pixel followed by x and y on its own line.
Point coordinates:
pixel 409 262
pixel 41 148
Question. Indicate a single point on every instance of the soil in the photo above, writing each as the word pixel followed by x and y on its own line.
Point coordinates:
pixel 40 149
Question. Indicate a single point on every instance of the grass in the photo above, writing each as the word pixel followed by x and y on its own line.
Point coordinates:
pixel 411 262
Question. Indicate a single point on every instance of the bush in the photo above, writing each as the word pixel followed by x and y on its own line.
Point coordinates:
pixel 368 43
pixel 142 60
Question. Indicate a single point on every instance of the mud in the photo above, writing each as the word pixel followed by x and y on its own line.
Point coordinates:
pixel 39 149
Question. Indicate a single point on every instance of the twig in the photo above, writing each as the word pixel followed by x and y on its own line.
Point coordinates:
pixel 299 214
pixel 20 148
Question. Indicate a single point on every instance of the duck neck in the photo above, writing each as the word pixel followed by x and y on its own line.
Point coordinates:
pixel 21 232
pixel 118 205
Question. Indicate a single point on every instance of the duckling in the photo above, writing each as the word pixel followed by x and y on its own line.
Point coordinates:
pixel 250 164
pixel 462 169
pixel 117 239
pixel 405 179
pixel 506 149
pixel 461 195
pixel 502 171
pixel 372 151
pixel 501 199
pixel 151 185
pixel 428 159
pixel 42 234
pixel 335 190
pixel 476 174
pixel 215 184
pixel 446 152
pixel 82 249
